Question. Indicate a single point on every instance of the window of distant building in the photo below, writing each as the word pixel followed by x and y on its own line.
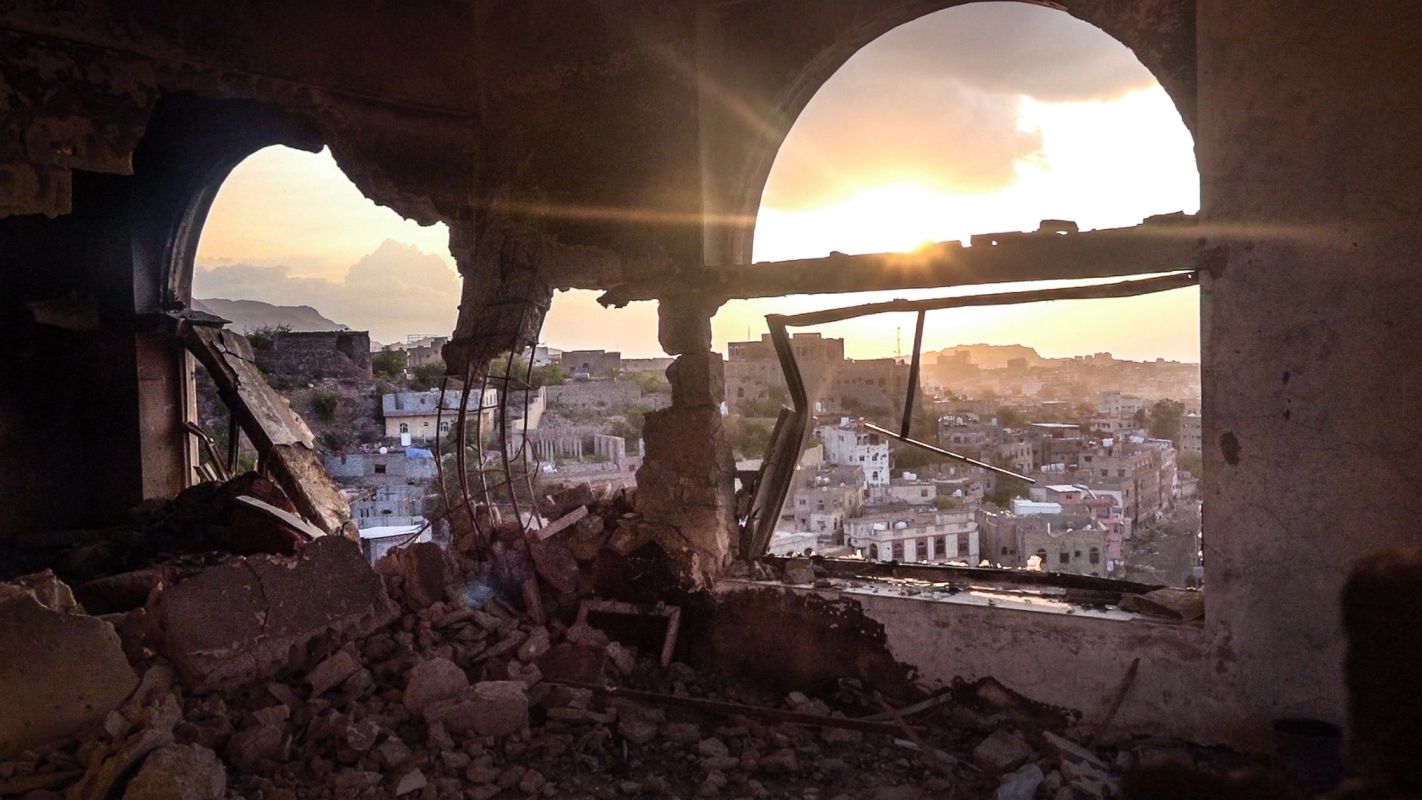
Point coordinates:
pixel 379 469
pixel 1065 557
pixel 404 427
pixel 1096 555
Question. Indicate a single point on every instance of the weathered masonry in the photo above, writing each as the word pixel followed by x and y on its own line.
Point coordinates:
pixel 623 146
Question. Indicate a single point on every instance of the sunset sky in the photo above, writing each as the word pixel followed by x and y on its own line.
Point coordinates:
pixel 982 118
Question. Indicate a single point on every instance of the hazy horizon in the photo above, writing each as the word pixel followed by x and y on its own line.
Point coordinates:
pixel 977 119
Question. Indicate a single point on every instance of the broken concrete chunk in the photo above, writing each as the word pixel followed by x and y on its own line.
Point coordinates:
pixel 537 643
pixel 799 572
pixel 436 680
pixel 179 772
pixel 236 623
pixel 622 658
pixel 565 499
pixel 46 588
pixel 637 730
pixel 264 742
pixel 559 525
pixel 331 672
pixel 682 732
pixel 59 672
pixel 1002 751
pixel 412 782
pixel 156 731
pixel 556 564
pixel 1020 785
pixel 501 708
pixel 423 569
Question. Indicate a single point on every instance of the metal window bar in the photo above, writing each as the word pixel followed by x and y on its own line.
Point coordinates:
pixel 770 487
pixel 518 464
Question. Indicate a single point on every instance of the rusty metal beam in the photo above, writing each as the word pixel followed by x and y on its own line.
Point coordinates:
pixel 1162 244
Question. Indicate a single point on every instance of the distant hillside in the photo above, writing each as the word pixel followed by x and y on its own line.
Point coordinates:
pixel 249 315
pixel 994 356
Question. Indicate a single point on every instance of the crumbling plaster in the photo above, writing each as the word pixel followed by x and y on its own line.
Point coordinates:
pixel 1072 661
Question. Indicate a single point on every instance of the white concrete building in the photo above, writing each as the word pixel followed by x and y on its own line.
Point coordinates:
pixel 916 535
pixel 849 444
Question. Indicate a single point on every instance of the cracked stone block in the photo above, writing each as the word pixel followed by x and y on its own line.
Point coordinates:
pixel 179 772
pixel 59 672
pixel 236 623
pixel 1020 785
pixel 1004 750
pixel 434 681
pixel 698 379
pixel 332 671
pixel 501 707
pixel 422 565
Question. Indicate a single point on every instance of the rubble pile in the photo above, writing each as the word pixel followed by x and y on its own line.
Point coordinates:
pixel 476 672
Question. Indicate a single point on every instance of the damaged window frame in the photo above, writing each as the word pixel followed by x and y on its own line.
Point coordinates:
pixel 767 488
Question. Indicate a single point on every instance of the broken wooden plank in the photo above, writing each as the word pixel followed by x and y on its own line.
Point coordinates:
pixel 562 523
pixel 286 448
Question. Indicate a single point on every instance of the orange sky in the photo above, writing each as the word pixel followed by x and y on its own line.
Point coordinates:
pixel 981 118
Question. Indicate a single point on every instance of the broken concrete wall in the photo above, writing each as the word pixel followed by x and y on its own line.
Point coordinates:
pixel 60 669
pixel 239 622
pixel 1065 660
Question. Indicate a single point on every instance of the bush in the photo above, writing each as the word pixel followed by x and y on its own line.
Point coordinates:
pixel 264 338
pixel 388 364
pixel 325 404
pixel 426 376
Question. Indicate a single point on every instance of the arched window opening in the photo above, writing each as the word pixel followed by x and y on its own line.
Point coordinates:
pixel 961 125
pixel 344 305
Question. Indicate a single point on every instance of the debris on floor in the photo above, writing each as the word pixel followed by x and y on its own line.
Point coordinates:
pixel 493 668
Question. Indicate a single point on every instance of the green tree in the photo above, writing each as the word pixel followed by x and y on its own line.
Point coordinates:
pixel 1189 462
pixel 748 436
pixel 945 503
pixel 547 375
pixel 652 382
pixel 264 338
pixel 388 364
pixel 325 404
pixel 426 376
pixel 1165 419
pixel 1010 417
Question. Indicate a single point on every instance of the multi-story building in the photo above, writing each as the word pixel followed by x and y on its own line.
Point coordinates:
pixel 850 444
pixel 832 382
pixel 1053 541
pixel 421 416
pixel 911 490
pixel 915 534
pixel 1190 433
pixel 1115 404
pixel 585 364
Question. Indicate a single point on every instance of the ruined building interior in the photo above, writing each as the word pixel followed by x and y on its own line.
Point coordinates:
pixel 622 146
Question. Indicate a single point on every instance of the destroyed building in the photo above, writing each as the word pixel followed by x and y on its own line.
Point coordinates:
pixel 623 147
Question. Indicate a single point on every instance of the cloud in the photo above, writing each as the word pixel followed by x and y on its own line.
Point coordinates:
pixel 394 291
pixel 1010 48
pixel 936 102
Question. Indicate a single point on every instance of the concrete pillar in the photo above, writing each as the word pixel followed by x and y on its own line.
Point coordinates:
pixel 686 482
pixel 1312 364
